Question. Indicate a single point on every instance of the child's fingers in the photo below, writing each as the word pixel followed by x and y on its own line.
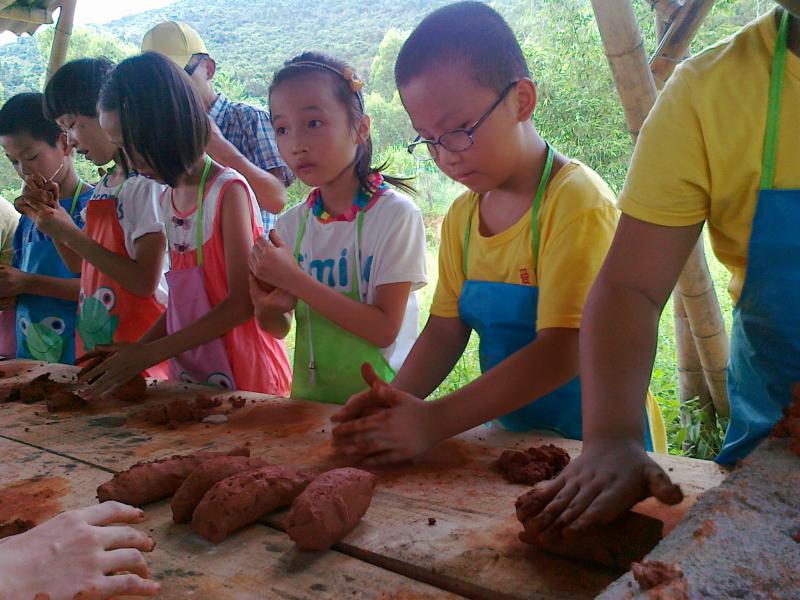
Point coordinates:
pixel 583 497
pixel 554 496
pixel 660 485
pixel 276 239
pixel 370 376
pixel 604 508
pixel 125 559
pixel 34 181
pixel 90 355
pixel 111 511
pixel 116 537
pixel 128 584
pixel 359 426
pixel 354 406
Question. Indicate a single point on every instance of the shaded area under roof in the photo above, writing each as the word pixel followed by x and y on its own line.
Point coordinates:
pixel 26 16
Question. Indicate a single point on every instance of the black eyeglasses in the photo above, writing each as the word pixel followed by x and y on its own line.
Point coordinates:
pixel 195 61
pixel 455 140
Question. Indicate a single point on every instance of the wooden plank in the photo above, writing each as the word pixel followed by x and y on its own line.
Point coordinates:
pixel 472 549
pixel 257 562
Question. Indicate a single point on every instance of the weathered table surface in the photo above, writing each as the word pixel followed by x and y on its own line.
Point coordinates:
pixel 471 550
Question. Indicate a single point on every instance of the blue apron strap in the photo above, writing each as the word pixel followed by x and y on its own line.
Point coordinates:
pixel 774 106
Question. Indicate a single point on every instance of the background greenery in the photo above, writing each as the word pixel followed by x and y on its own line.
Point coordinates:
pixel 579 111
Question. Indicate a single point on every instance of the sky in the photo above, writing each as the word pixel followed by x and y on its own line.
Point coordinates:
pixel 103 11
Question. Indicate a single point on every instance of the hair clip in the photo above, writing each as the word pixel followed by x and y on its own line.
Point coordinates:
pixel 356 84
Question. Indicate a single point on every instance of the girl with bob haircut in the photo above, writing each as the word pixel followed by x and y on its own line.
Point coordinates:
pixel 151 111
pixel 350 257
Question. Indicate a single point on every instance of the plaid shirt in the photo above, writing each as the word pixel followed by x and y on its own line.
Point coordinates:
pixel 249 129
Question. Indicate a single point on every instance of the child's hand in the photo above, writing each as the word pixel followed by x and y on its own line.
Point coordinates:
pixel 51 220
pixel 8 303
pixel 382 425
pixel 605 480
pixel 126 362
pixel 13 282
pixel 269 299
pixel 274 264
pixel 76 554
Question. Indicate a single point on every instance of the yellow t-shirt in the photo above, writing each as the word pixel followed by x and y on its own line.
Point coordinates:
pixel 577 220
pixel 699 153
pixel 9 217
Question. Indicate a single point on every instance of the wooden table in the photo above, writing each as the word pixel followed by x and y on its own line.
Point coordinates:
pixel 472 550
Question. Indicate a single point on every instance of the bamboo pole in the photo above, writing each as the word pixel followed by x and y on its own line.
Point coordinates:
pixel 695 290
pixel 58 52
pixel 673 47
pixel 665 9
pixel 635 84
pixel 624 49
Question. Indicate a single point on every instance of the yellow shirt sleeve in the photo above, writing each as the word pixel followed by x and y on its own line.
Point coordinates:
pixel 451 258
pixel 573 246
pixel 9 218
pixel 669 181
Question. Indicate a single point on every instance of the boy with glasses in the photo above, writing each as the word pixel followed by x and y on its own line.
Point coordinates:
pixel 241 135
pixel 519 251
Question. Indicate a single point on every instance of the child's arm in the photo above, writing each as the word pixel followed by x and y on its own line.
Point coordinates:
pixel 139 275
pixel 377 323
pixel 269 190
pixel 413 426
pixel 273 308
pixel 14 282
pixel 614 471
pixel 234 309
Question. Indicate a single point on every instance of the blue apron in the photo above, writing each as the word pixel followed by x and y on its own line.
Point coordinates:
pixel 765 338
pixel 504 315
pixel 45 325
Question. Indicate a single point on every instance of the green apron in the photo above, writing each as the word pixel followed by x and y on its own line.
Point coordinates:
pixel 327 359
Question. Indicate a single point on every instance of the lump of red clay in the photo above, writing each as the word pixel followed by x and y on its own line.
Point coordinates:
pixel 532 465
pixel 15 527
pixel 240 499
pixel 623 541
pixel 38 389
pixel 330 507
pixel 237 402
pixel 64 400
pixel 147 482
pixel 134 390
pixel 661 580
pixel 203 478
pixel 789 425
pixel 181 410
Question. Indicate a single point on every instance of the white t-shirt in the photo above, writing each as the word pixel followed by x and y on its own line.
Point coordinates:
pixel 139 213
pixel 392 251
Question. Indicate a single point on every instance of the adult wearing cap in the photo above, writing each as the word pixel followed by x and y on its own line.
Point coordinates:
pixel 241 135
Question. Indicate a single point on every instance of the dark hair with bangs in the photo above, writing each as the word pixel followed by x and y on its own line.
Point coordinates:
pixel 75 88
pixel 22 114
pixel 334 71
pixel 161 115
pixel 469 35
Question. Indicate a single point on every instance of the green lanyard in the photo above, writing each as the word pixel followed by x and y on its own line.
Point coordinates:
pixel 200 192
pixel 75 198
pixel 774 106
pixel 548 169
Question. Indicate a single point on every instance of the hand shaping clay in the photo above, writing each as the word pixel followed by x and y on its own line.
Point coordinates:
pixel 532 465
pixel 240 499
pixel 203 479
pixel 623 541
pixel 147 482
pixel 330 507
pixel 660 580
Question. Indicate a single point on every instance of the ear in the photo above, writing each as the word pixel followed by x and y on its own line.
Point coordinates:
pixel 362 129
pixel 526 96
pixel 211 68
pixel 63 144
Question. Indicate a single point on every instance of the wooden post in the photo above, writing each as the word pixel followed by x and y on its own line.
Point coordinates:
pixel 672 48
pixel 63 32
pixel 665 9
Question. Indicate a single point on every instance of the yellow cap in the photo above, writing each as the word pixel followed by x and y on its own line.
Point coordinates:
pixel 175 40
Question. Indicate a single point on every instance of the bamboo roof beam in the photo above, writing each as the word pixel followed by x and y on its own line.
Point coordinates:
pixel 675 44
pixel 63 33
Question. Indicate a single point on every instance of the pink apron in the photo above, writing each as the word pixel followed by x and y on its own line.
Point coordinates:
pixel 188 301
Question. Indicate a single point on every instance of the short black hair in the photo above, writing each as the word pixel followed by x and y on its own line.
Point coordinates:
pixel 75 88
pixel 160 113
pixel 470 35
pixel 23 114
